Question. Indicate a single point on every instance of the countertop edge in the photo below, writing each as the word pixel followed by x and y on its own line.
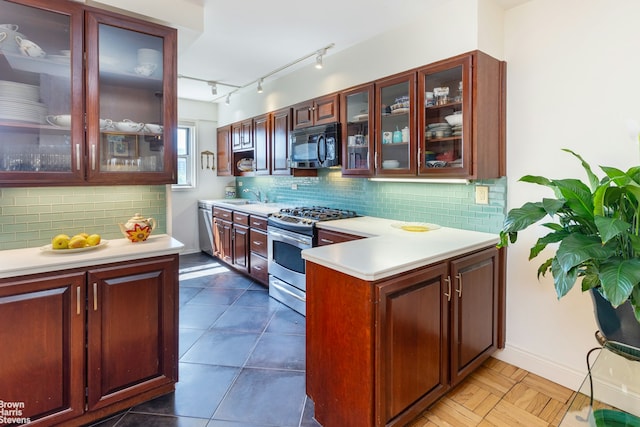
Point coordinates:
pixel 159 245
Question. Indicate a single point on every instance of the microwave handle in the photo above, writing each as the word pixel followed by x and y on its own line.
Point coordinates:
pixel 322 141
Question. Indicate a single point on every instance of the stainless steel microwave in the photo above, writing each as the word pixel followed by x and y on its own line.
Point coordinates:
pixel 315 147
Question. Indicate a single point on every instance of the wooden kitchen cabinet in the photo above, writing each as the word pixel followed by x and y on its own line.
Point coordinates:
pixel 475 311
pixel 89 343
pixel 356 115
pixel 240 241
pixel 395 125
pixel 222 234
pixel 317 111
pixel 43 332
pixel 328 237
pixel 280 129
pixel 241 135
pixel 262 144
pixel 70 116
pixel 223 148
pixel 404 340
pixel 132 344
pixel 258 266
pixel 473 147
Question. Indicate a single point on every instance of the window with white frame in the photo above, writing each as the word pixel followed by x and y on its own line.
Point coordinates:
pixel 186 147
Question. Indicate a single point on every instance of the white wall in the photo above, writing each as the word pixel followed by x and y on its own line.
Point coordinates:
pixel 184 203
pixel 422 40
pixel 573 81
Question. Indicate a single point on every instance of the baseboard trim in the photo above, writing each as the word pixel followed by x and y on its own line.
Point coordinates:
pixel 546 368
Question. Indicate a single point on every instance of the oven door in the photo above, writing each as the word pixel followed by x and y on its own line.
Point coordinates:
pixel 284 255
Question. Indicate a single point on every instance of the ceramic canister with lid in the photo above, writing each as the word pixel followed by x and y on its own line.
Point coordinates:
pixel 230 192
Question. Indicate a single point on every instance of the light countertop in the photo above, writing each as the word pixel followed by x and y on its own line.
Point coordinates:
pixel 20 262
pixel 388 250
pixel 247 206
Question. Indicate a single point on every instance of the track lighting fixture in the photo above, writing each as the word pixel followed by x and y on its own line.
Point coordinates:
pixel 214 88
pixel 214 84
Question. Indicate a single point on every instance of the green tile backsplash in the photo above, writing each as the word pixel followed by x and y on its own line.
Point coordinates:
pixel 451 205
pixel 30 217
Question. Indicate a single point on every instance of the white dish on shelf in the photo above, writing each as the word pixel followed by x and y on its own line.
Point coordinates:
pixel 390 164
pixel 361 117
pixel 153 128
pixel 400 111
pixel 49 249
pixel 61 120
pixel 245 165
pixel 127 125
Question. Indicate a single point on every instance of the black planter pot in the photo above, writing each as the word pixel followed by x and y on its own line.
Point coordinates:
pixel 616 324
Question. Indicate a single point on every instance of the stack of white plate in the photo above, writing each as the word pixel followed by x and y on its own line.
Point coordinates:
pixel 19 102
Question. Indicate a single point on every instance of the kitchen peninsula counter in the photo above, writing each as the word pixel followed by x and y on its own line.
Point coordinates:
pixel 398 318
pixel 21 262
pixel 388 250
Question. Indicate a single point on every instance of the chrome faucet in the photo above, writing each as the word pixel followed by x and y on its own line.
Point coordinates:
pixel 254 192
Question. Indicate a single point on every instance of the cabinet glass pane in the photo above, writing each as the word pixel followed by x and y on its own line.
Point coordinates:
pixel 444 132
pixel 35 90
pixel 131 101
pixel 394 126
pixel 358 105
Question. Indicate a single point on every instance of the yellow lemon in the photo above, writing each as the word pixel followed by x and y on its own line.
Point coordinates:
pixel 93 240
pixel 61 241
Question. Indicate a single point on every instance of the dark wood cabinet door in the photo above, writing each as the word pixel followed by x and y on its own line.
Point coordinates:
pixel 236 136
pixel 131 335
pixel 42 365
pixel 262 149
pixel 223 144
pixel 325 110
pixel 222 239
pixel 280 128
pixel 303 114
pixel 246 136
pixel 474 318
pixel 412 334
pixel 240 243
pixel 326 237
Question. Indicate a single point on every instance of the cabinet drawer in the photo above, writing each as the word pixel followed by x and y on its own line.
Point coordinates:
pixel 241 218
pixel 258 242
pixel 259 269
pixel 222 213
pixel 258 222
pixel 326 237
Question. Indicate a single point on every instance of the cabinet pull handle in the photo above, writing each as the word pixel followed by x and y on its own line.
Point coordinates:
pixel 77 156
pixel 78 300
pixel 419 157
pixel 448 293
pixel 255 242
pixel 257 268
pixel 95 296
pixel 256 223
pixel 327 241
pixel 459 290
pixel 93 157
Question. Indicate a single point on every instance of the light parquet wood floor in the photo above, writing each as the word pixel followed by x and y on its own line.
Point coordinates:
pixel 499 395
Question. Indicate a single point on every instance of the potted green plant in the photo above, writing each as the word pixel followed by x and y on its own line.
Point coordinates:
pixel 596 226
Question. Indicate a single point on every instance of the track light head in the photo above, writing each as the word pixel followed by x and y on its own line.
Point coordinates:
pixel 319 61
pixel 228 101
pixel 214 88
pixel 260 86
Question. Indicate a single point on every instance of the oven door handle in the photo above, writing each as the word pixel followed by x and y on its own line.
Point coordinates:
pixel 286 238
pixel 288 292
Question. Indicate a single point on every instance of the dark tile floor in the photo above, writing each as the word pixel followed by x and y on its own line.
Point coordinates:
pixel 242 357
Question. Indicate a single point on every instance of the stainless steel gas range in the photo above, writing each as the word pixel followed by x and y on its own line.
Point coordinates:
pixel 288 233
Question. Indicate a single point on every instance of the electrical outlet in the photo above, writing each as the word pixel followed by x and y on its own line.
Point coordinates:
pixel 294 186
pixel 482 195
pixel 239 183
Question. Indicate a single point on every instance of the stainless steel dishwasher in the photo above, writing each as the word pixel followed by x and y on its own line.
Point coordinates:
pixel 205 226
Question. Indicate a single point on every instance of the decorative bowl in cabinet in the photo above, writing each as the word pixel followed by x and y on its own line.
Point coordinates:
pixel 454 119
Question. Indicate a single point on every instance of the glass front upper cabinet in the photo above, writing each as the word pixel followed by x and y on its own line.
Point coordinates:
pixel 41 130
pixel 395 124
pixel 131 127
pixel 445 121
pixel 357 131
